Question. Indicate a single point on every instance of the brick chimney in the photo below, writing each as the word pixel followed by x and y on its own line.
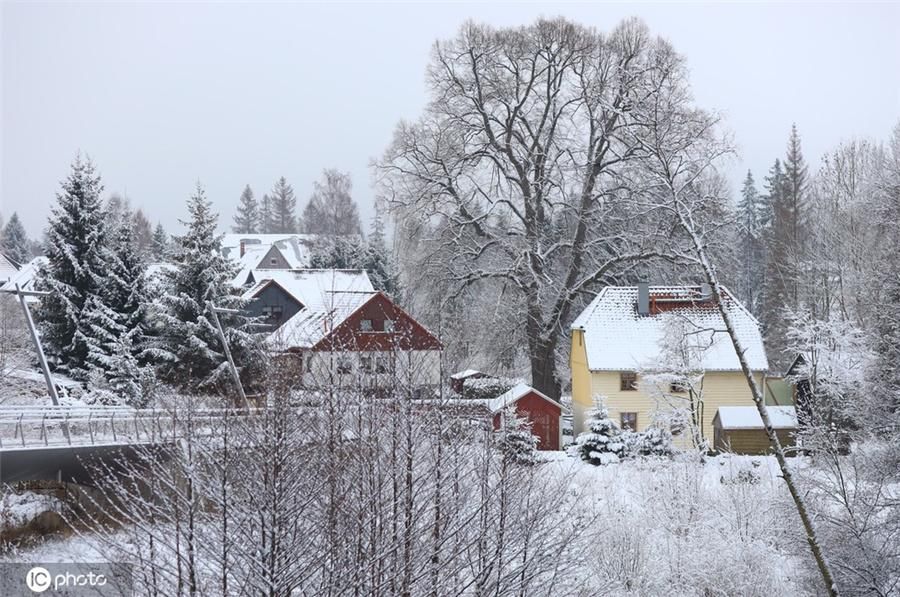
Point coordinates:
pixel 243 247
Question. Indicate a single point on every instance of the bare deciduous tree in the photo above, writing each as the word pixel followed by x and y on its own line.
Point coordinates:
pixel 516 180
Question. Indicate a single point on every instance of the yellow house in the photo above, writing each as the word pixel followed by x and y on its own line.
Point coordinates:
pixel 661 354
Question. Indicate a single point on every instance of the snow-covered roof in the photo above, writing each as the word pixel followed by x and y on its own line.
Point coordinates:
pixel 8 268
pixel 617 338
pixel 466 373
pixel 747 417
pixel 294 247
pixel 513 395
pixel 328 296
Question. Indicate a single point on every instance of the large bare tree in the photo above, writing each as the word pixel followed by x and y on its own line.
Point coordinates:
pixel 517 173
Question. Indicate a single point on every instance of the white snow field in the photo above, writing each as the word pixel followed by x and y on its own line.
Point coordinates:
pixel 658 527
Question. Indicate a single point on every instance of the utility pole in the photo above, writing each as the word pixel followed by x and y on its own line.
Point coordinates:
pixel 234 372
pixel 51 387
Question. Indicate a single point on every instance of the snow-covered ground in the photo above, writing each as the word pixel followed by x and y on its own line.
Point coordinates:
pixel 663 527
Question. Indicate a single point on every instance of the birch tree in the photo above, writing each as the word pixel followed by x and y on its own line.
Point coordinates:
pixel 681 156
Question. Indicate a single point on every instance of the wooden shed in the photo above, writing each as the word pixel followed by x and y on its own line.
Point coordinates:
pixel 541 411
pixel 740 429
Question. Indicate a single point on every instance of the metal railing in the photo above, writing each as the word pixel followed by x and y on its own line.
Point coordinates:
pixel 54 426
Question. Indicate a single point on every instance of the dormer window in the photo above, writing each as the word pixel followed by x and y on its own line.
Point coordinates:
pixel 365 325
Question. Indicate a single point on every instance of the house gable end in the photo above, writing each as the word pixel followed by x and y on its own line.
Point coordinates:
pixel 407 333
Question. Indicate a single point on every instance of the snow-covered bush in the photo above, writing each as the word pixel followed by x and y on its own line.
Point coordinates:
pixel 655 441
pixel 485 388
pixel 514 438
pixel 602 444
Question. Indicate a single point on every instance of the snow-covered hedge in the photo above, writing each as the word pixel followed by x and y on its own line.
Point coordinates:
pixel 485 388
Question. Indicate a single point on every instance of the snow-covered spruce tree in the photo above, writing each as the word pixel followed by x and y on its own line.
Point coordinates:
pixel 119 322
pixel 283 205
pixel 75 272
pixel 246 219
pixel 14 241
pixel 187 347
pixel 265 215
pixel 160 245
pixel 602 443
pixel 514 438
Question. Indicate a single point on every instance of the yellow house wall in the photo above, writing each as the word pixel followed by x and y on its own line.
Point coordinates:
pixel 720 388
pixel 582 399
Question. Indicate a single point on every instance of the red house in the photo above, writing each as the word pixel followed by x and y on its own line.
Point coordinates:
pixel 331 328
pixel 541 411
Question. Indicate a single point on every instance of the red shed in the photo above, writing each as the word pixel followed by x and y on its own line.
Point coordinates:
pixel 542 411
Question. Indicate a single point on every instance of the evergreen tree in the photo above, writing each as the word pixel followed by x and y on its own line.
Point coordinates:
pixel 785 248
pixel 795 178
pixel 14 241
pixel 160 244
pixel 514 438
pixel 265 215
pixel 602 443
pixel 119 323
pixel 246 220
pixel 188 347
pixel 750 245
pixel 75 272
pixel 331 210
pixel 283 208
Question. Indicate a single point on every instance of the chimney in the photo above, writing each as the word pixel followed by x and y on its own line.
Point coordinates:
pixel 706 293
pixel 643 304
pixel 243 247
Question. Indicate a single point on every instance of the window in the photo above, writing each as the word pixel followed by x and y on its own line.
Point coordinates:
pixel 627 381
pixel 384 364
pixel 388 325
pixel 344 366
pixel 365 363
pixel 273 312
pixel 628 421
pixel 365 325
pixel 677 387
pixel 273 261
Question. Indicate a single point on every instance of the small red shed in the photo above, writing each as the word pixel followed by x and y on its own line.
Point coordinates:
pixel 541 411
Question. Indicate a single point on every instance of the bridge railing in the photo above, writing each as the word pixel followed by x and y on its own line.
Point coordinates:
pixel 34 427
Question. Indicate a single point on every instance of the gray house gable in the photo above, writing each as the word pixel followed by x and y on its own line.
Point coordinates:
pixel 273 259
pixel 274 304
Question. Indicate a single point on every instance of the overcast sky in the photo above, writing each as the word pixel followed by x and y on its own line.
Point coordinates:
pixel 161 95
